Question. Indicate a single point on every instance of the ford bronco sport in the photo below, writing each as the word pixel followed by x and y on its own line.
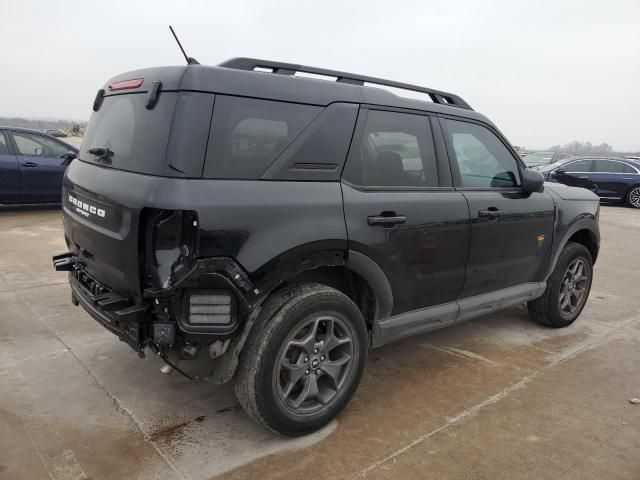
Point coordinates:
pixel 277 226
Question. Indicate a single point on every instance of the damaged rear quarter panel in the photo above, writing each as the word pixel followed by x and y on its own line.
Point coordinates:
pixel 256 222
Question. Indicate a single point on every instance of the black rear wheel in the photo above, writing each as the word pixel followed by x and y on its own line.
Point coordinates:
pixel 567 289
pixel 303 360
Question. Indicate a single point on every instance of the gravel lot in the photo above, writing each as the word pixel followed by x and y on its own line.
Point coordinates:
pixel 497 397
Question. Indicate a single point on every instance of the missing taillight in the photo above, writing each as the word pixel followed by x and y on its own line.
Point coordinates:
pixel 171 237
pixel 126 84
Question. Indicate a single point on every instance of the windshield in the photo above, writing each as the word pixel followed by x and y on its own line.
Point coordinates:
pixel 538 158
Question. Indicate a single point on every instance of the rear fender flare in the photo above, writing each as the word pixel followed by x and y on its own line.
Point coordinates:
pixel 377 280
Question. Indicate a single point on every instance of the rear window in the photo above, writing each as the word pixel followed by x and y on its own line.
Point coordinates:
pixel 247 135
pixel 137 136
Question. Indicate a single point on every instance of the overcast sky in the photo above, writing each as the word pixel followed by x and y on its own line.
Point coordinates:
pixel 545 72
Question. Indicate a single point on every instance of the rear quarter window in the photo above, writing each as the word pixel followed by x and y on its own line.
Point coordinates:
pixel 247 135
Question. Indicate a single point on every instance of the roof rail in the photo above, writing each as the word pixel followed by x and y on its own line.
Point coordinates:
pixel 280 68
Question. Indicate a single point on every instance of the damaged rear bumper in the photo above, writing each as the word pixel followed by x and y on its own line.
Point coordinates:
pixel 161 310
pixel 114 312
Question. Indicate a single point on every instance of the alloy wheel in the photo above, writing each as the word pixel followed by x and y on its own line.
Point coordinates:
pixel 573 287
pixel 314 364
pixel 634 197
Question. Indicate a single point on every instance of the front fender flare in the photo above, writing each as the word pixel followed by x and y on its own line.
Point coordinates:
pixel 588 223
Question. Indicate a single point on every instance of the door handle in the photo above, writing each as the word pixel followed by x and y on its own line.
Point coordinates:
pixel 29 164
pixel 388 220
pixel 492 213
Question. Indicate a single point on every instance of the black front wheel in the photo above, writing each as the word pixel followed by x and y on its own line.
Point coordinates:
pixel 567 289
pixel 303 360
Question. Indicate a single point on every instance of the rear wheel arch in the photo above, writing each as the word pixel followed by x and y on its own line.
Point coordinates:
pixel 352 273
pixel 345 280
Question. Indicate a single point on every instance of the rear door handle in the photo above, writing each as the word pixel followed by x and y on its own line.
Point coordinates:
pixel 29 164
pixel 492 213
pixel 386 220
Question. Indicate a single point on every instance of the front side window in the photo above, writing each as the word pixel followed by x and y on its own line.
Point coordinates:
pixel 483 160
pixel 581 166
pixel 37 146
pixel 607 166
pixel 395 150
pixel 247 135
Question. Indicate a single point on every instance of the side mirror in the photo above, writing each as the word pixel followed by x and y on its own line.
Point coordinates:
pixel 67 157
pixel 560 171
pixel 532 181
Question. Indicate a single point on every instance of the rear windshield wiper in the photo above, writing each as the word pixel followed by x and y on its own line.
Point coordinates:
pixel 103 154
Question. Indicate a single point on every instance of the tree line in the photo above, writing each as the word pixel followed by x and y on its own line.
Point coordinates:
pixel 37 124
pixel 587 148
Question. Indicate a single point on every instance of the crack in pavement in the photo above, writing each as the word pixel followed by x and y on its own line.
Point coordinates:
pixel 463 415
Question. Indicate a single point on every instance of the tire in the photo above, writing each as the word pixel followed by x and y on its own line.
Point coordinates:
pixel 279 373
pixel 633 197
pixel 552 309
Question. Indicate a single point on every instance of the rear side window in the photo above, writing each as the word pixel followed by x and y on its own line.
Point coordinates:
pixel 137 136
pixel 483 160
pixel 247 135
pixel 608 166
pixel 395 150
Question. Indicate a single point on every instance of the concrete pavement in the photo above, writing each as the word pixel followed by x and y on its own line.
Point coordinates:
pixel 497 397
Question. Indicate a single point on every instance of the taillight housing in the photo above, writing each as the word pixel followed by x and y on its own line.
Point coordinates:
pixel 171 241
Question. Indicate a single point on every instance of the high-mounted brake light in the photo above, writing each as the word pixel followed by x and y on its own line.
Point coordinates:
pixel 126 84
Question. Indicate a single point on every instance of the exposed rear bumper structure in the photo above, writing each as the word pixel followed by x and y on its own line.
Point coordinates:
pixel 114 312
pixel 137 323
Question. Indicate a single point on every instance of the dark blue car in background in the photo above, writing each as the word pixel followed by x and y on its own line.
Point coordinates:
pixel 32 164
pixel 612 179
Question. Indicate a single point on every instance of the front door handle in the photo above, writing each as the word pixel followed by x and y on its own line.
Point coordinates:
pixel 386 220
pixel 29 164
pixel 491 213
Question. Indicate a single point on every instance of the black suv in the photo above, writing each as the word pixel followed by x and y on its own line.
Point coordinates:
pixel 276 226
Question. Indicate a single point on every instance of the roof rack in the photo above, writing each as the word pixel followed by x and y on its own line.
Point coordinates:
pixel 280 68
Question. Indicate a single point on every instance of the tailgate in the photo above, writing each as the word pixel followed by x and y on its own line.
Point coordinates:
pixel 101 214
